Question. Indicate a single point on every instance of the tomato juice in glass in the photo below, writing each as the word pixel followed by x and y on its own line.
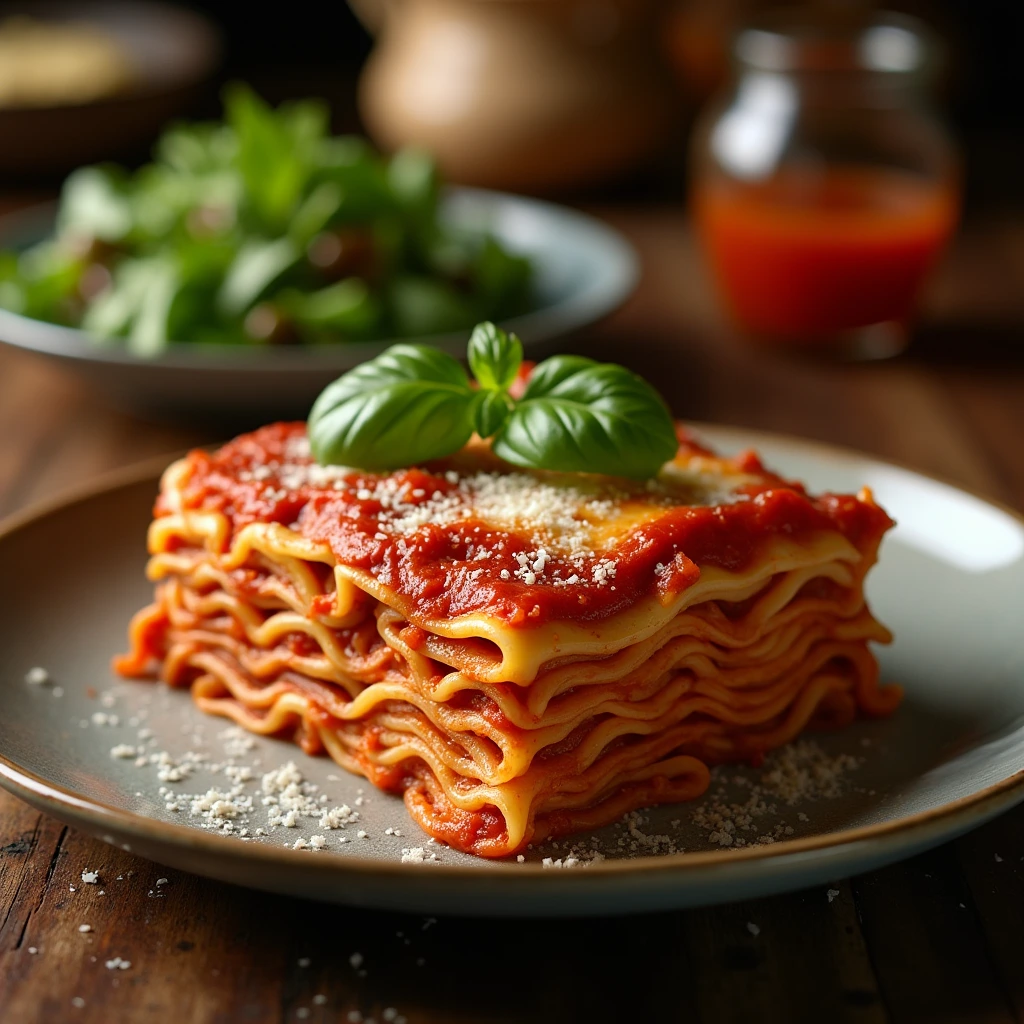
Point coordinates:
pixel 824 191
pixel 800 257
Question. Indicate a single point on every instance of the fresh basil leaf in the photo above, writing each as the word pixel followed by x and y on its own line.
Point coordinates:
pixel 409 405
pixel 490 411
pixel 113 312
pixel 149 333
pixel 95 202
pixel 352 165
pixel 315 212
pixel 422 306
pixel 494 357
pixel 346 306
pixel 414 181
pixel 275 151
pixel 196 149
pixel 137 306
pixel 579 416
pixel 48 273
pixel 257 266
pixel 503 278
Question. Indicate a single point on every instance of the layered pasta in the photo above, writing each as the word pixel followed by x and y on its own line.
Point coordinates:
pixel 520 654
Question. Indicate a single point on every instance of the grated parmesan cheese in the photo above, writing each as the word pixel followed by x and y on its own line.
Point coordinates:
pixel 338 817
pixel 417 855
pixel 564 517
pixel 800 771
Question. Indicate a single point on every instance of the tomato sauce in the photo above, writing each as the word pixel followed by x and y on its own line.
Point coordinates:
pixel 804 256
pixel 430 571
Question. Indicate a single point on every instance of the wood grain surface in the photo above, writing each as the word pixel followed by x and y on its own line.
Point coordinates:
pixel 939 938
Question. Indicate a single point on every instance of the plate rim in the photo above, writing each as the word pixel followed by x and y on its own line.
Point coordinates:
pixel 983 804
pixel 74 345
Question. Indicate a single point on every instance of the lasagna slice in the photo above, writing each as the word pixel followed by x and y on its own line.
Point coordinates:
pixel 521 654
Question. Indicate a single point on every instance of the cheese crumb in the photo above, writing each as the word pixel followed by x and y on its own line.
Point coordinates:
pixel 417 855
pixel 317 842
pixel 289 796
pixel 37 676
pixel 124 750
pixel 800 771
pixel 117 964
pixel 85 928
pixel 832 894
pixel 90 877
pixel 338 817
pixel 753 929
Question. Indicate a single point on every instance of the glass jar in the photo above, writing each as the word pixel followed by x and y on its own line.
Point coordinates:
pixel 824 188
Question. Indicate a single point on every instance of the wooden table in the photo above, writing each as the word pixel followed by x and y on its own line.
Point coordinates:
pixel 938 938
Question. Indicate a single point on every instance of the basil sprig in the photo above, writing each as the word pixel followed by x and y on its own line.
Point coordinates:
pixel 414 403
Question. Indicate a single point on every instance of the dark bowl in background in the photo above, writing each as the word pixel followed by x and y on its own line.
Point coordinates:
pixel 174 52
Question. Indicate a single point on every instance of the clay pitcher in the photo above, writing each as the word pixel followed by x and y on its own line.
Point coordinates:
pixel 528 95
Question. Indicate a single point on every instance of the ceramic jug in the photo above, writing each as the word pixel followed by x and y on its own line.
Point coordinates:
pixel 528 95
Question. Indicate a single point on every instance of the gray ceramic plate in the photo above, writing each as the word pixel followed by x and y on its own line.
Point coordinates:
pixel 950 584
pixel 584 270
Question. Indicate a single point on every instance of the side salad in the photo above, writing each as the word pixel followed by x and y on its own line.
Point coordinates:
pixel 262 229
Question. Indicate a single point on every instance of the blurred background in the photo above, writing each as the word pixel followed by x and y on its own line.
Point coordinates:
pixel 979 88
pixel 321 51
pixel 832 181
pixel 311 50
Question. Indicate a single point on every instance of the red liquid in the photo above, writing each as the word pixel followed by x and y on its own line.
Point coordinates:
pixel 804 257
